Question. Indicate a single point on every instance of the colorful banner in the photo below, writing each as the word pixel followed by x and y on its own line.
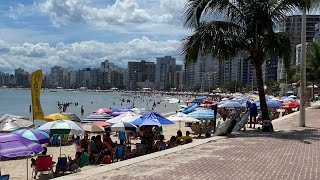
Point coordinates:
pixel 36 82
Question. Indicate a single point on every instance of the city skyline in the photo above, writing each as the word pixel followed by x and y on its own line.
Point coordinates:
pixel 36 34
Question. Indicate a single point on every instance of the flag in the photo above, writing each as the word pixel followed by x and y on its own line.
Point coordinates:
pixel 36 82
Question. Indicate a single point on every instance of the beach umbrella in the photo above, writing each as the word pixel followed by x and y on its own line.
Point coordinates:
pixel 9 124
pixel 93 128
pixel 126 117
pixel 122 126
pixel 287 99
pixel 9 116
pixel 292 104
pixel 62 127
pixel 153 116
pixel 72 117
pixel 199 99
pixel 102 123
pixel 56 116
pixel 36 136
pixel 96 117
pixel 13 145
pixel 102 111
pixel 181 117
pixel 231 104
pixel 272 104
pixel 203 114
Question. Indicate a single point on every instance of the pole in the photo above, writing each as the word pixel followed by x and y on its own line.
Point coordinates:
pixel 60 145
pixel 303 70
pixel 27 168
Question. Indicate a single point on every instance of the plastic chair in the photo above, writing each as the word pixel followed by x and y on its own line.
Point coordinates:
pixel 4 177
pixel 44 164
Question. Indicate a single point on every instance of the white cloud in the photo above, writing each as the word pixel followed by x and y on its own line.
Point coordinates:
pixel 121 13
pixel 82 54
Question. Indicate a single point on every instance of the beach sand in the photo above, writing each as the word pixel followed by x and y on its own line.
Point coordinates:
pixel 18 168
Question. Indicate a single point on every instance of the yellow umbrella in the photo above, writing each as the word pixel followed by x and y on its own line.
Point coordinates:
pixel 56 116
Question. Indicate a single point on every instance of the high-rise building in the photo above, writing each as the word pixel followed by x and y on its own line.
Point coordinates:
pixel 22 77
pixel 202 75
pixel 271 68
pixel 165 68
pixel 142 73
pixel 292 25
pixel 317 34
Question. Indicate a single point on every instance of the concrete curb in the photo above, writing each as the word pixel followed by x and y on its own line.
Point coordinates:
pixel 103 169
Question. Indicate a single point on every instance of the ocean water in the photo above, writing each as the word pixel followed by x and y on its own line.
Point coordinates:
pixel 14 101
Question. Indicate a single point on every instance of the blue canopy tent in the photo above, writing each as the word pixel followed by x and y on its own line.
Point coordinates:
pixel 190 108
pixel 152 118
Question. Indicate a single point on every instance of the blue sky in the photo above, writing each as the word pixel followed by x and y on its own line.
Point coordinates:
pixel 81 33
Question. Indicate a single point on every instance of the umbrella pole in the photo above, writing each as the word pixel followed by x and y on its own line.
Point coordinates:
pixel 60 146
pixel 27 168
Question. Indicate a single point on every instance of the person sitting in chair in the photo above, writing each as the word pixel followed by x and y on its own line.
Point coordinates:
pixel 160 145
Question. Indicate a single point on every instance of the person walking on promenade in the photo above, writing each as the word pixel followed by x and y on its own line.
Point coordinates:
pixel 253 115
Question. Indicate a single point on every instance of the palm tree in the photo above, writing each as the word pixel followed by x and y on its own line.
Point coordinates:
pixel 224 28
pixel 313 63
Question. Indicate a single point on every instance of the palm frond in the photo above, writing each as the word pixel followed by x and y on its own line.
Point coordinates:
pixel 193 12
pixel 219 38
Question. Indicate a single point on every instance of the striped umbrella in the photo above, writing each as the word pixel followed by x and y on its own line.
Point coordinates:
pixel 203 114
pixel 37 136
pixel 96 117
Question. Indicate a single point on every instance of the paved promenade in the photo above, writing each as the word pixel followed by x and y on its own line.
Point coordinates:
pixel 289 153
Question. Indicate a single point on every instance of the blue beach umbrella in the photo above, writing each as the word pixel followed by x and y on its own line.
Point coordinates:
pixel 152 118
pixel 272 104
pixel 203 114
pixel 231 104
pixel 37 136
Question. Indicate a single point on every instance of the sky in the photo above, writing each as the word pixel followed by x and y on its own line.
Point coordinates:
pixel 38 34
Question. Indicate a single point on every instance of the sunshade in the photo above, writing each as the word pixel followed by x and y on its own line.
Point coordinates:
pixel 181 117
pixel 56 116
pixel 102 111
pixel 272 104
pixel 72 117
pixel 122 126
pixel 126 117
pixel 12 145
pixel 190 108
pixel 102 123
pixel 6 116
pixel 203 114
pixel 231 104
pixel 62 127
pixel 153 116
pixel 199 99
pixel 96 117
pixel 9 124
pixel 36 136
pixel 93 128
pixel 292 104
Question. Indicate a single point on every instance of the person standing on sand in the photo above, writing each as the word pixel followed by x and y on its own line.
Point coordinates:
pixel 82 110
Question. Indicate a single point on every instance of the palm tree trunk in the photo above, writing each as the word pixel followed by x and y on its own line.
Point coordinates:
pixel 262 97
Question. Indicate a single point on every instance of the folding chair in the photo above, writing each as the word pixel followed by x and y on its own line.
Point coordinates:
pixel 43 164
pixel 63 163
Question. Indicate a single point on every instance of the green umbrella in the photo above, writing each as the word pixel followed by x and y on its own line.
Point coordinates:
pixel 72 117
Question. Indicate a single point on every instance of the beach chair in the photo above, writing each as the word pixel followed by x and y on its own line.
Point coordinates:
pixel 63 163
pixel 163 147
pixel 84 160
pixel 4 177
pixel 196 130
pixel 43 164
